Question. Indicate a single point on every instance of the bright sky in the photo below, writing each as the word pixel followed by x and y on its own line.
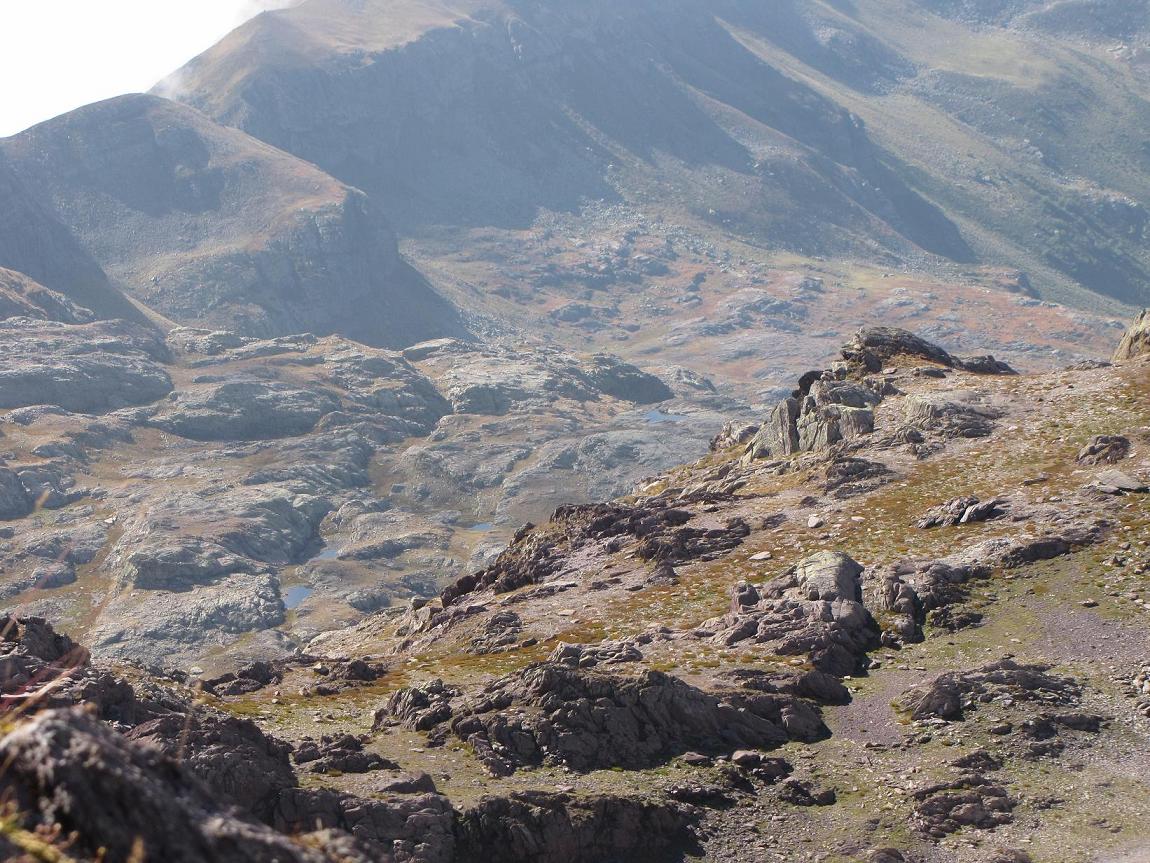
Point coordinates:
pixel 56 55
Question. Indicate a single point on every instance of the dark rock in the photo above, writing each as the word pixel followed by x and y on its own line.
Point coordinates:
pixel 340 753
pixel 971 801
pixel 407 783
pixel 535 826
pixel 411 827
pixel 589 720
pixel 948 696
pixel 67 768
pixel 800 793
pixel 233 757
pixel 1104 449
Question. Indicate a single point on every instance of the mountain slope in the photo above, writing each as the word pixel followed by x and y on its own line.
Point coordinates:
pixel 209 227
pixel 483 113
pixel 1004 133
pixel 36 244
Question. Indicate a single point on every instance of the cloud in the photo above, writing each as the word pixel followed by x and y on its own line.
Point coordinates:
pixel 252 8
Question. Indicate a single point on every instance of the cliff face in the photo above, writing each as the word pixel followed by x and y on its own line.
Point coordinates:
pixel 208 227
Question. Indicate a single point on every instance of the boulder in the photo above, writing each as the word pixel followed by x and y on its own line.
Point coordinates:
pixel 1104 449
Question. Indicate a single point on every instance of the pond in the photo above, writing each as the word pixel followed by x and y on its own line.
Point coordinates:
pixel 658 417
pixel 294 597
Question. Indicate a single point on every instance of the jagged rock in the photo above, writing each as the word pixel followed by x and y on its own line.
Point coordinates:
pixel 950 414
pixel 1104 449
pixel 960 510
pixel 779 436
pixel 535 826
pixel 971 801
pixel 589 720
pixel 406 828
pixel 873 348
pixel 251 678
pixel 814 609
pixel 732 435
pixel 592 655
pixel 847 477
pixel 340 753
pixel 535 553
pixel 815 685
pixel 233 757
pixel 950 695
pixel 500 631
pixel 1136 340
pixel 14 500
pixel 67 768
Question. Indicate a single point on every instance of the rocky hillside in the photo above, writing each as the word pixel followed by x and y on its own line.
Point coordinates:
pixel 206 497
pixel 899 619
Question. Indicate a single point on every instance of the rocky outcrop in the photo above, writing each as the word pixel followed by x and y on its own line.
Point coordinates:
pixel 1136 341
pixel 957 414
pixel 971 801
pixel 21 297
pixel 873 348
pixel 395 828
pixel 66 768
pixel 950 696
pixel 661 532
pixel 960 510
pixel 244 410
pixel 535 826
pixel 1104 449
pixel 837 405
pixel 814 610
pixel 591 720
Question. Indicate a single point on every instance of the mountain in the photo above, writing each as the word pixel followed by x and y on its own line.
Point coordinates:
pixel 208 227
pixel 908 133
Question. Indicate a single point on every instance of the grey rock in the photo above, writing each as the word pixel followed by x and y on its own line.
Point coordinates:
pixel 14 500
pixel 87 368
pixel 244 410
pixel 533 826
pixel 951 414
pixel 813 610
